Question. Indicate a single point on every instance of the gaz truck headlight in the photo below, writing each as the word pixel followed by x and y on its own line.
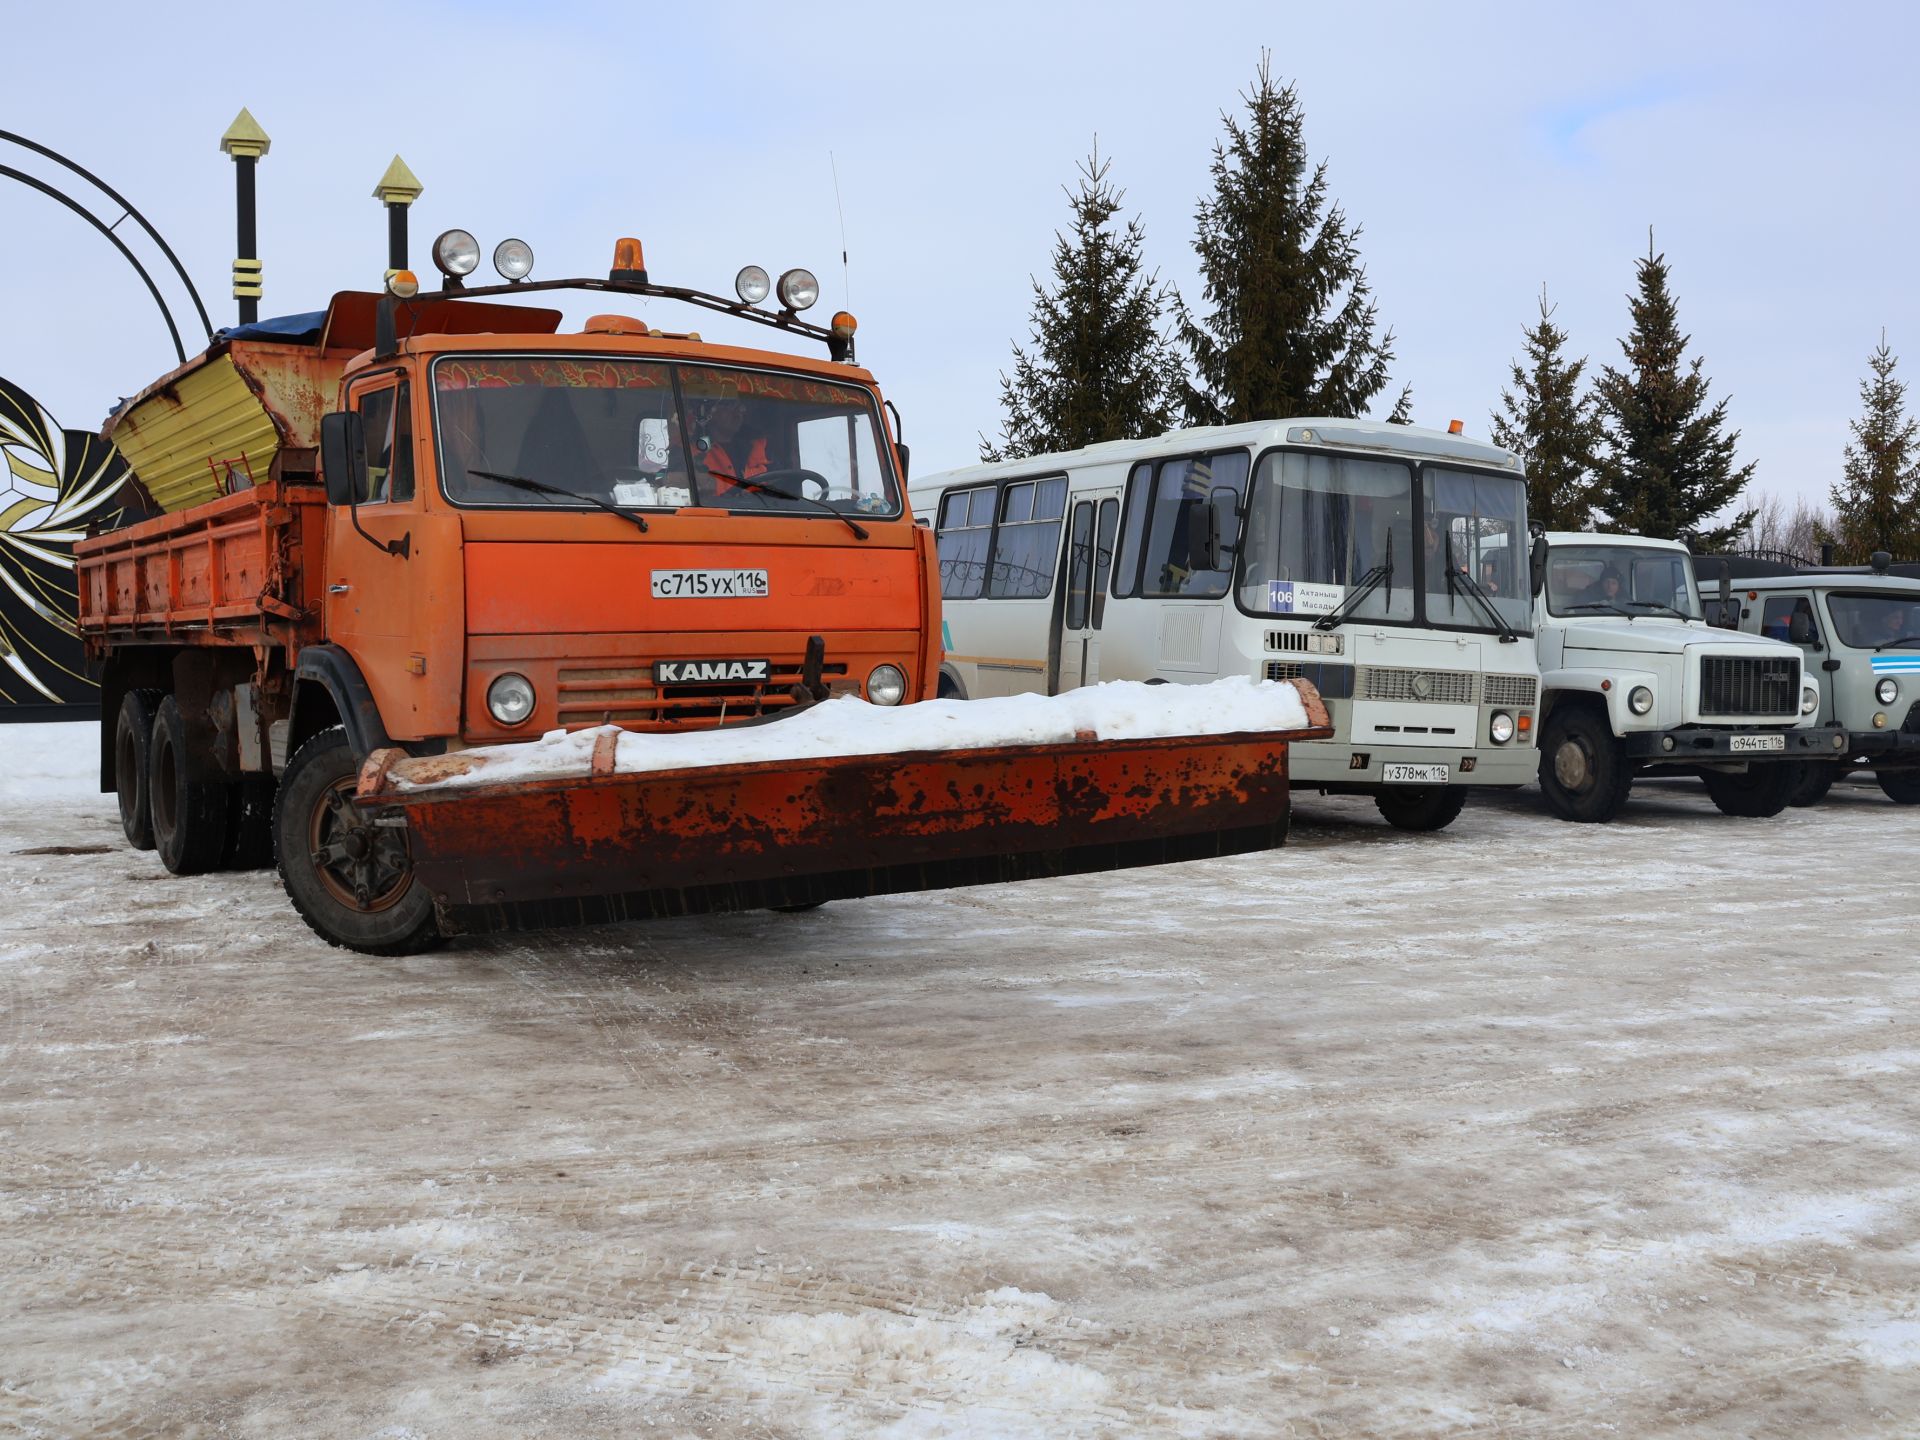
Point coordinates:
pixel 1809 700
pixel 510 699
pixel 1887 691
pixel 886 685
pixel 798 289
pixel 455 252
pixel 1501 727
pixel 1640 700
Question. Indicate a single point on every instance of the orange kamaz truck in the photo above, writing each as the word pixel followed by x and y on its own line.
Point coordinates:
pixel 414 524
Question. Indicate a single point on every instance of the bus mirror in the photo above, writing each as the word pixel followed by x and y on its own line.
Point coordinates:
pixel 1537 564
pixel 343 456
pixel 1203 534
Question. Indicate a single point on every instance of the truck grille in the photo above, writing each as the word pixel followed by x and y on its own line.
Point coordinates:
pixel 1742 685
pixel 1447 687
pixel 624 694
pixel 1519 690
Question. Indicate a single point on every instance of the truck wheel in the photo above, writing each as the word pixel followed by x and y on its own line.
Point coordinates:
pixel 1582 771
pixel 1422 807
pixel 351 881
pixel 1816 778
pixel 250 825
pixel 132 739
pixel 189 816
pixel 1901 786
pixel 1763 791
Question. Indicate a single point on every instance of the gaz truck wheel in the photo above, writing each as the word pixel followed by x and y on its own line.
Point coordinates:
pixel 351 880
pixel 1582 772
pixel 1816 778
pixel 1422 807
pixel 1763 791
pixel 189 816
pixel 1901 786
pixel 132 739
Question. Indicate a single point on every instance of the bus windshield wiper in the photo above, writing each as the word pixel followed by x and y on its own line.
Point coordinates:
pixel 1462 580
pixel 543 488
pixel 1381 574
pixel 765 489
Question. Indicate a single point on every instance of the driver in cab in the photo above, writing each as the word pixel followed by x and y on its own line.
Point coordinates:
pixel 733 451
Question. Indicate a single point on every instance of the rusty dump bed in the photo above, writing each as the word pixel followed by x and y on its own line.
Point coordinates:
pixel 601 848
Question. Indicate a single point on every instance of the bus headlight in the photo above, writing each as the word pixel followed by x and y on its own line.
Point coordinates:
pixel 886 685
pixel 1501 727
pixel 1887 691
pixel 510 699
pixel 1640 700
pixel 1809 700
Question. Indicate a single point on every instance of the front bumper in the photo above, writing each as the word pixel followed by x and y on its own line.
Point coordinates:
pixel 1893 747
pixel 1696 744
pixel 1329 764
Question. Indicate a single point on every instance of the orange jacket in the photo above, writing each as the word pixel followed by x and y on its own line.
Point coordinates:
pixel 720 465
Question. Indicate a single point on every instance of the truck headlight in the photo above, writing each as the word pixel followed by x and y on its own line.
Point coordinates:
pixel 1887 691
pixel 1640 700
pixel 1501 727
pixel 1809 700
pixel 886 685
pixel 510 699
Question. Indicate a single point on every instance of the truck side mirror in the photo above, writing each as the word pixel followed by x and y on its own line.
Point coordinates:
pixel 1800 628
pixel 904 455
pixel 343 456
pixel 1537 565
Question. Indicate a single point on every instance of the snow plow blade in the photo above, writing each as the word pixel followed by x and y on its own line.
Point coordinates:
pixel 605 847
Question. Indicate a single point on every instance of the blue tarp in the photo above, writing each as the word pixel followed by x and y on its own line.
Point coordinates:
pixel 282 327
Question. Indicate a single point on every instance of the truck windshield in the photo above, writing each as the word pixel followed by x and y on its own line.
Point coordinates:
pixel 1477 525
pixel 1627 579
pixel 1318 525
pixel 645 434
pixel 1869 621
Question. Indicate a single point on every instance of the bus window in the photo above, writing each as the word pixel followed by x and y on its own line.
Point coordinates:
pixel 965 528
pixel 1027 545
pixel 1126 575
pixel 1079 565
pixel 1318 524
pixel 1103 556
pixel 1182 493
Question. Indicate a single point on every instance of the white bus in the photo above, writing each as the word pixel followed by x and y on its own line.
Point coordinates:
pixel 1377 561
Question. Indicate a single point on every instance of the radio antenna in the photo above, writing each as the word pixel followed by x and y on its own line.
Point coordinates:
pixel 846 270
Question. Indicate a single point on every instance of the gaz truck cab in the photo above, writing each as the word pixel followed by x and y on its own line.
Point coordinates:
pixel 1859 628
pixel 1635 682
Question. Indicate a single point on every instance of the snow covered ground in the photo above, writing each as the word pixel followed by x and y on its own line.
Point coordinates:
pixel 1525 1129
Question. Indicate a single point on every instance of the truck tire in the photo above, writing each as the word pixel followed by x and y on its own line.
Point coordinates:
pixel 351 881
pixel 1583 772
pixel 1816 778
pixel 1763 791
pixel 1421 808
pixel 250 824
pixel 1900 786
pixel 189 816
pixel 132 739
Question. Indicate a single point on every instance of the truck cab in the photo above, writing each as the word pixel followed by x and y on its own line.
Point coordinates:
pixel 1635 682
pixel 1859 629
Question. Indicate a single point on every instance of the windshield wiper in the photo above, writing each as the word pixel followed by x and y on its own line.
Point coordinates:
pixel 1662 605
pixel 545 489
pixel 1903 640
pixel 1461 580
pixel 1381 574
pixel 1599 605
pixel 765 489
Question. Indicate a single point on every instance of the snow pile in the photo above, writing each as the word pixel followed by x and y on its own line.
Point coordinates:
pixel 1117 710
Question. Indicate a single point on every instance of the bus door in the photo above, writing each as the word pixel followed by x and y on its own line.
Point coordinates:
pixel 1091 527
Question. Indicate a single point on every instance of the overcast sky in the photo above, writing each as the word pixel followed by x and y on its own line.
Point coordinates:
pixel 1486 150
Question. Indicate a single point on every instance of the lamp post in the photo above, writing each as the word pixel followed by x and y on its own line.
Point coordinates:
pixel 397 190
pixel 245 142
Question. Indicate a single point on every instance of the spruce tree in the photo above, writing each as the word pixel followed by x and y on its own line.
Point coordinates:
pixel 1100 366
pixel 1552 426
pixel 1878 498
pixel 1290 324
pixel 1402 413
pixel 1669 465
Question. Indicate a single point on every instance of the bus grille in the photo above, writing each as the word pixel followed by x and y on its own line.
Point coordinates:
pixel 1287 640
pixel 1518 690
pixel 1447 687
pixel 1285 669
pixel 1742 685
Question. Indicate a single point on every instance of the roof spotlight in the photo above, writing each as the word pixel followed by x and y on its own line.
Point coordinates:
pixel 513 259
pixel 456 253
pixel 751 284
pixel 798 289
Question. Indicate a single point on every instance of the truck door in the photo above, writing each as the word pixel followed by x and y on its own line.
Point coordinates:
pixel 370 591
pixel 1090 532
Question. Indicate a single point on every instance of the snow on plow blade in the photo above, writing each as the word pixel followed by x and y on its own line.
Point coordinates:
pixel 527 854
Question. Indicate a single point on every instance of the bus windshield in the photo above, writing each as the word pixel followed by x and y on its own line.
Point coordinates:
pixel 1476 526
pixel 1319 525
pixel 1621 579
pixel 645 434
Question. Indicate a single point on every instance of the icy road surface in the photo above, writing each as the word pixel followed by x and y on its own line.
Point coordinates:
pixel 1526 1129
